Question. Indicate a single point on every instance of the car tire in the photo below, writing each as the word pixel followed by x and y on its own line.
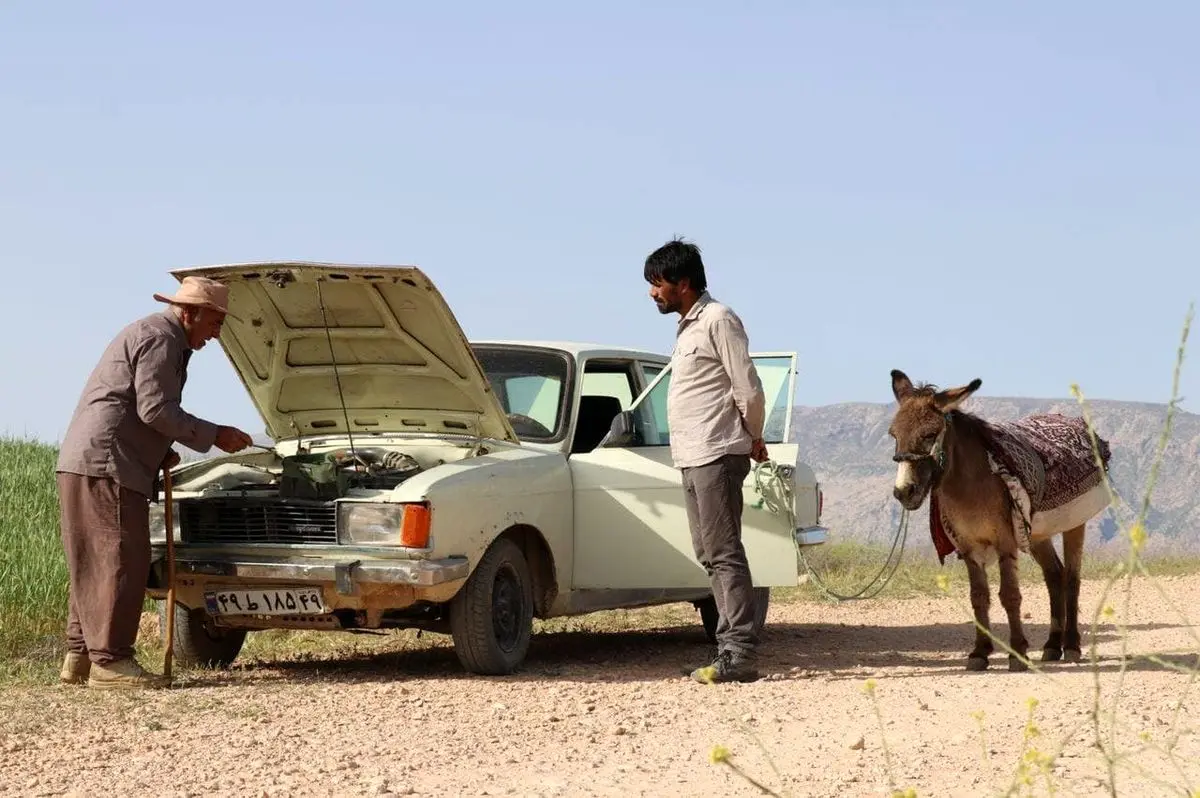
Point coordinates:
pixel 197 642
pixel 709 615
pixel 491 617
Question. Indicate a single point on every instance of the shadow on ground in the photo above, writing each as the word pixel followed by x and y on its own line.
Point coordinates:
pixel 790 650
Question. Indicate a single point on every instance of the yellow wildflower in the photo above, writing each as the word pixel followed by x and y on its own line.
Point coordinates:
pixel 1137 536
pixel 718 755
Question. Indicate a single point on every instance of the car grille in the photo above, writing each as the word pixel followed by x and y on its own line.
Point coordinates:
pixel 237 521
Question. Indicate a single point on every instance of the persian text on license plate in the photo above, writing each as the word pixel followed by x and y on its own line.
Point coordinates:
pixel 265 601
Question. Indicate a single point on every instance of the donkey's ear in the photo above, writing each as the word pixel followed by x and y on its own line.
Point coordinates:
pixel 951 398
pixel 901 385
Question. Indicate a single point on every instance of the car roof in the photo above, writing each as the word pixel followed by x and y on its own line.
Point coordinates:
pixel 579 349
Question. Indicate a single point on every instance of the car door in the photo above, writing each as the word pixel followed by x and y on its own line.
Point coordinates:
pixel 631 527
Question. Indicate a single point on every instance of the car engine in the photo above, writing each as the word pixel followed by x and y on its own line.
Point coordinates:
pixel 329 475
pixel 295 504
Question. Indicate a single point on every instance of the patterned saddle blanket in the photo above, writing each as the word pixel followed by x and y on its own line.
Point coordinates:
pixel 1046 461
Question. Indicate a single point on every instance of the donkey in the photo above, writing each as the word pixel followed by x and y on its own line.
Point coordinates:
pixel 997 489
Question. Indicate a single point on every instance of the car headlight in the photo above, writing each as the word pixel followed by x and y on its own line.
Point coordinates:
pixel 158 521
pixel 363 524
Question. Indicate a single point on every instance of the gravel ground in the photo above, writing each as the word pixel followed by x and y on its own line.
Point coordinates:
pixel 600 712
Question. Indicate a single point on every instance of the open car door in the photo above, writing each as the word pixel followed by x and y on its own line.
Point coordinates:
pixel 631 526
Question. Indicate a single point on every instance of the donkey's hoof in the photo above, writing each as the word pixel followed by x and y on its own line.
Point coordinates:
pixel 977 663
pixel 1051 654
pixel 1017 664
pixel 1071 655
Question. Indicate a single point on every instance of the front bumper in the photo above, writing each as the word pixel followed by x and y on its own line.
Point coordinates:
pixel 344 574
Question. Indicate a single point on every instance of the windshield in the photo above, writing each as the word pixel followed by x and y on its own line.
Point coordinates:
pixel 530 385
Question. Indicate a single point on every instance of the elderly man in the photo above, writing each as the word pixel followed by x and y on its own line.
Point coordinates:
pixel 715 412
pixel 119 437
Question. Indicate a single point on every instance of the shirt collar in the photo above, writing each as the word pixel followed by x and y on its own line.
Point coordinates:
pixel 176 327
pixel 694 313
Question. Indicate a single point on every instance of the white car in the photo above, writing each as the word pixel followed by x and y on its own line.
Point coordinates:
pixel 421 481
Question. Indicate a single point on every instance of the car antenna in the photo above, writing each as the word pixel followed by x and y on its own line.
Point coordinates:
pixel 336 377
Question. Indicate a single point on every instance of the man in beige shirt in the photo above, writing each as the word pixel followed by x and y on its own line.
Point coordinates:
pixel 715 414
pixel 120 435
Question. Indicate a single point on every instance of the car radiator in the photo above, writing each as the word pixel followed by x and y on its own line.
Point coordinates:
pixel 239 521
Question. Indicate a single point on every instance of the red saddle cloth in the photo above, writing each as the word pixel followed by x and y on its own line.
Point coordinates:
pixel 941 541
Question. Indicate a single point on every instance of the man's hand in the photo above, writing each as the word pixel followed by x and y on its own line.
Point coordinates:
pixel 232 439
pixel 171 460
pixel 758 451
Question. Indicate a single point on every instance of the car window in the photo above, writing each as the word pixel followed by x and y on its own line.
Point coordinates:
pixel 775 373
pixel 534 396
pixel 609 383
pixel 530 385
pixel 776 376
pixel 650 415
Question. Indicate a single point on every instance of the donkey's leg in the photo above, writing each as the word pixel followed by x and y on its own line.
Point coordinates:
pixel 1073 561
pixel 1052 571
pixel 1010 597
pixel 977 660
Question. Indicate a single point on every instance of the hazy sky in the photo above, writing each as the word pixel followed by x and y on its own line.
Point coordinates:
pixel 1004 191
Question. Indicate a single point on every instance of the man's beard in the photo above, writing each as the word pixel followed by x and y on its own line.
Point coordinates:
pixel 666 307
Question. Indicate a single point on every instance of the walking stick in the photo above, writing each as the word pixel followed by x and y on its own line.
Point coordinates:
pixel 170 524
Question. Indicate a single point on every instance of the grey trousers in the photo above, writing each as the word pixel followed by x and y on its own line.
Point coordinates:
pixel 714 508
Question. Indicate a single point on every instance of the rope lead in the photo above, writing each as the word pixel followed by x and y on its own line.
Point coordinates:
pixel 785 504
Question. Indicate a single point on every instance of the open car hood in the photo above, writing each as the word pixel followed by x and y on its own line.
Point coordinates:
pixel 403 362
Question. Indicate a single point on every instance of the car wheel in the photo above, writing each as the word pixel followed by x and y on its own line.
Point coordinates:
pixel 491 617
pixel 197 641
pixel 709 615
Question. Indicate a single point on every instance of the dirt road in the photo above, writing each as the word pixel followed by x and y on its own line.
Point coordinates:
pixel 608 713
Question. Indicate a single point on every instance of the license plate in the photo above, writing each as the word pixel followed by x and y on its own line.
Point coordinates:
pixel 265 601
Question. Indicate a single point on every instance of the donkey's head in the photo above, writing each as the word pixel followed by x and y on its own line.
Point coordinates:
pixel 919 429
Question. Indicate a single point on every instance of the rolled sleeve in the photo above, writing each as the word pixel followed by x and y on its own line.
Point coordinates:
pixel 733 347
pixel 158 386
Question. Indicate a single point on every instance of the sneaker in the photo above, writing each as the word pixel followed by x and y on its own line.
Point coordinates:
pixel 124 674
pixel 75 668
pixel 727 667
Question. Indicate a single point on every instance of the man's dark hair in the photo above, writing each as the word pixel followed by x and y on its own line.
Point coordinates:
pixel 674 261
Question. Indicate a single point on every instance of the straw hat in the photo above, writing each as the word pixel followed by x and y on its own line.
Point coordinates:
pixel 200 292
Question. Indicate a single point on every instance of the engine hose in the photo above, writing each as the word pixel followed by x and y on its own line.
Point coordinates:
pixel 775 492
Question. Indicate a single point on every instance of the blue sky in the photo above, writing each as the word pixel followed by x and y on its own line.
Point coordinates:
pixel 1003 191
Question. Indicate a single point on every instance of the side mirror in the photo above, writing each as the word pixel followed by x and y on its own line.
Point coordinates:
pixel 621 432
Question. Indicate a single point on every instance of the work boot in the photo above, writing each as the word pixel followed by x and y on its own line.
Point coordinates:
pixel 125 674
pixel 729 666
pixel 75 668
